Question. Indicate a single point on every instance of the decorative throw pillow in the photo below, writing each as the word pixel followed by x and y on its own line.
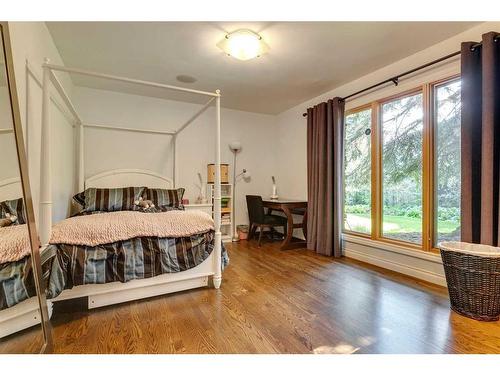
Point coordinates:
pixel 107 200
pixel 77 204
pixel 13 207
pixel 163 198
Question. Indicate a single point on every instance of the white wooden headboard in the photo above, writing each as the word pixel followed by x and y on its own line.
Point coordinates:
pixel 129 177
pixel 11 188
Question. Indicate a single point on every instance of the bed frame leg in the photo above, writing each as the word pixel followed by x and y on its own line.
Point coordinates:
pixel 217 278
pixel 217 281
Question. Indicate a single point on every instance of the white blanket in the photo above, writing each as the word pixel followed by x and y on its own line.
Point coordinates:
pixel 104 228
pixel 14 243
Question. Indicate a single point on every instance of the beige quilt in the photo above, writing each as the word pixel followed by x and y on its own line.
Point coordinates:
pixel 14 243
pixel 104 228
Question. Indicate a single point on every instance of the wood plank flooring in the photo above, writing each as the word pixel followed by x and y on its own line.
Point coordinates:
pixel 274 301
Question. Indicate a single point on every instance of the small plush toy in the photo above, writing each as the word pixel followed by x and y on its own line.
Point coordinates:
pixel 8 220
pixel 144 204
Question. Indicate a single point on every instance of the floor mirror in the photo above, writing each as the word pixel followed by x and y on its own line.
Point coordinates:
pixel 24 313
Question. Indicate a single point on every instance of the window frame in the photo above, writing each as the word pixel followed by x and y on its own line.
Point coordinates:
pixel 379 182
pixel 347 113
pixel 433 160
pixel 429 198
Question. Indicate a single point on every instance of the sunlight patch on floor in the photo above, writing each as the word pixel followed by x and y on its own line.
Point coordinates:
pixel 339 349
pixel 343 348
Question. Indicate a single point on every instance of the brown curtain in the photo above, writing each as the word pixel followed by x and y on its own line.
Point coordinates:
pixel 481 141
pixel 325 133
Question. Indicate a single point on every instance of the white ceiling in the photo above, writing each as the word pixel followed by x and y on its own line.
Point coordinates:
pixel 306 59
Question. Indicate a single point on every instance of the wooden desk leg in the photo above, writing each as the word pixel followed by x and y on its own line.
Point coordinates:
pixel 304 225
pixel 289 233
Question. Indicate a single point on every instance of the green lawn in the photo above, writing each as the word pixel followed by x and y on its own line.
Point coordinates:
pixel 395 224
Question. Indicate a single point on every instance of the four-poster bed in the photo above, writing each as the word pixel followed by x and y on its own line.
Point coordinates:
pixel 116 292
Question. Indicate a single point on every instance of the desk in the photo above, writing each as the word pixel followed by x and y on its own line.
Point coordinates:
pixel 288 206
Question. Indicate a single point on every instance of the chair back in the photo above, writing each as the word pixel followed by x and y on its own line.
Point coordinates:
pixel 255 209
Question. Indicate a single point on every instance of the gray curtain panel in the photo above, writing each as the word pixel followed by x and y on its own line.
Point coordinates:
pixel 325 134
pixel 481 141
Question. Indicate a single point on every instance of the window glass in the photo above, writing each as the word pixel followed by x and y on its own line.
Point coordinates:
pixel 402 133
pixel 447 161
pixel 357 172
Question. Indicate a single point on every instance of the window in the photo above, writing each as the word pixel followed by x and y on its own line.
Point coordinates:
pixel 402 181
pixel 357 172
pixel 446 121
pixel 402 131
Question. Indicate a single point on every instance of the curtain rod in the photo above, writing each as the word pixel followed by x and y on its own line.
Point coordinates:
pixel 395 79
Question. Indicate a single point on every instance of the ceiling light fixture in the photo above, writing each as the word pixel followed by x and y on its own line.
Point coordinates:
pixel 243 44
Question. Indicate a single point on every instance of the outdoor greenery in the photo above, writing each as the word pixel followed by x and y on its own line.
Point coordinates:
pixel 402 128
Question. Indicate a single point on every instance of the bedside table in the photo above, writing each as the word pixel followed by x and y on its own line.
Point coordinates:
pixel 205 207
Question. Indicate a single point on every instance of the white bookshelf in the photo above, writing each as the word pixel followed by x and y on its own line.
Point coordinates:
pixel 226 204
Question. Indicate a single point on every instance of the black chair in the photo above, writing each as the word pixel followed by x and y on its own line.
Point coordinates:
pixel 259 219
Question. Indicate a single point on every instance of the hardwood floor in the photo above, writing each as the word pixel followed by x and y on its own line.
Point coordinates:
pixel 274 301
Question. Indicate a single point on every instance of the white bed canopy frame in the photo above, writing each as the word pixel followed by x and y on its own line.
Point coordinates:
pixel 110 293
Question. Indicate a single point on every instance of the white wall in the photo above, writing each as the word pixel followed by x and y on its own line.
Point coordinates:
pixel 108 149
pixel 291 128
pixel 9 167
pixel 31 41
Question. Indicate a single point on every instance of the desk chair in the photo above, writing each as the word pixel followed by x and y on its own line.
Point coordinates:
pixel 259 219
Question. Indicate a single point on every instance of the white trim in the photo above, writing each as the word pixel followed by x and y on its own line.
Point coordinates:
pixel 414 263
pixel 431 257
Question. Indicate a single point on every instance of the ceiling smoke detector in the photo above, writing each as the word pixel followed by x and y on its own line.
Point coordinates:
pixel 184 78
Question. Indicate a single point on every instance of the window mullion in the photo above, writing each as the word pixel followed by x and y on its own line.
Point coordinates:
pixel 427 172
pixel 376 172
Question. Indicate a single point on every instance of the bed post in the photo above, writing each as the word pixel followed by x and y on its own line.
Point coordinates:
pixel 217 198
pixel 45 161
pixel 174 164
pixel 80 158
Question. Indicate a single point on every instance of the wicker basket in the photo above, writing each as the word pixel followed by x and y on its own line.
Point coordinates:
pixel 473 277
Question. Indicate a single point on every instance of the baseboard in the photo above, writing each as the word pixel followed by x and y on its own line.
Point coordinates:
pixel 428 270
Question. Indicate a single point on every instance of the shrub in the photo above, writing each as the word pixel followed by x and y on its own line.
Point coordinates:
pixel 357 209
pixel 413 211
pixel 449 214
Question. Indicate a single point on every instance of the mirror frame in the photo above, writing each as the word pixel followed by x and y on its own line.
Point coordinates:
pixel 28 199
